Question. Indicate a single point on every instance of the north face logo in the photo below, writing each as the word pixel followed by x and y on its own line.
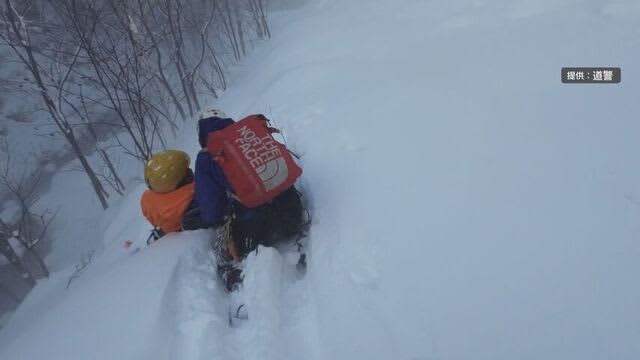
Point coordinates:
pixel 273 173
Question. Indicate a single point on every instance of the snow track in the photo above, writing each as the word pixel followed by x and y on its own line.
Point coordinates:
pixel 277 299
pixel 273 291
pixel 197 306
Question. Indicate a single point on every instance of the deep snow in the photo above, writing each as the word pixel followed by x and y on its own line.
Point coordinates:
pixel 466 204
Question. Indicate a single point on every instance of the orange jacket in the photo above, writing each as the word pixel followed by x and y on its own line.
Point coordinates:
pixel 165 210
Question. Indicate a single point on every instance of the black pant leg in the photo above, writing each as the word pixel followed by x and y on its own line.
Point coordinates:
pixel 286 213
pixel 279 220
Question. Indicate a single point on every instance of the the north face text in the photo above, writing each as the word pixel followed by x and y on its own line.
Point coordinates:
pixel 258 151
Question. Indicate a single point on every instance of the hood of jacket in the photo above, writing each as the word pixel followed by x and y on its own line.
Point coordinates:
pixel 209 125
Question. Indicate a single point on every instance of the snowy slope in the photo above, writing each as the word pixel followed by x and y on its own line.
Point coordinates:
pixel 466 204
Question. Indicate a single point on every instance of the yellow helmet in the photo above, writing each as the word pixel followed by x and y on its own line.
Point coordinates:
pixel 165 170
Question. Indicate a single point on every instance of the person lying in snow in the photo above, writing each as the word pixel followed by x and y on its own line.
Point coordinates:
pixel 169 203
pixel 240 229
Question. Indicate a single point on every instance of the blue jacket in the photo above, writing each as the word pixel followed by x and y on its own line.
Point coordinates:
pixel 211 184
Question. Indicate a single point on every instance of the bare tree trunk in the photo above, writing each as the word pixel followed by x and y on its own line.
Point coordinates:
pixel 234 36
pixel 176 34
pixel 217 66
pixel 227 22
pixel 159 65
pixel 240 31
pixel 101 151
pixel 258 10
pixel 97 186
pixel 7 251
pixel 255 16
pixel 38 259
pixel 263 17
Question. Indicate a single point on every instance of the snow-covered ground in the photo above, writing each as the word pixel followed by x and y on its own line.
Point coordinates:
pixel 466 204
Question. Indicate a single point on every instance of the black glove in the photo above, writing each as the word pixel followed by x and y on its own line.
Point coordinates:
pixel 156 234
pixel 233 279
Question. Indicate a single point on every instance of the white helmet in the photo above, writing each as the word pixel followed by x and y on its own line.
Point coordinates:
pixel 209 113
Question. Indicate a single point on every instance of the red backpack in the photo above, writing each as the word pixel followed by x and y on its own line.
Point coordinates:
pixel 257 166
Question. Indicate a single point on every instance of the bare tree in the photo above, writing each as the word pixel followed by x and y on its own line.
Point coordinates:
pixel 17 35
pixel 239 26
pixel 9 253
pixel 30 227
pixel 229 27
pixel 116 70
pixel 144 63
pixel 198 28
pixel 155 31
pixel 258 11
pixel 111 177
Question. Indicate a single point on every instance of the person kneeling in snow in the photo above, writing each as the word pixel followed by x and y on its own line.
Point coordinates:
pixel 169 204
pixel 240 229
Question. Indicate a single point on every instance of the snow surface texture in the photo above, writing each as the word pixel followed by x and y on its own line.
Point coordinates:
pixel 466 204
